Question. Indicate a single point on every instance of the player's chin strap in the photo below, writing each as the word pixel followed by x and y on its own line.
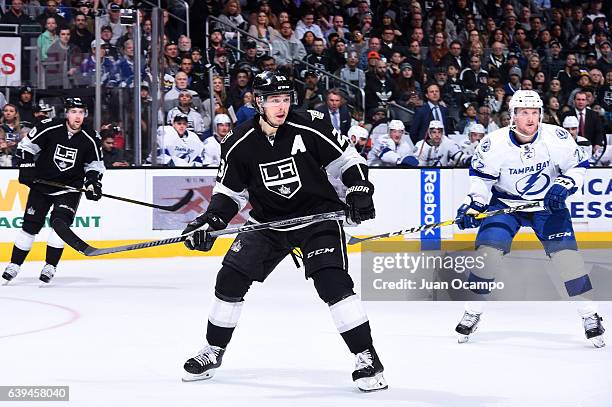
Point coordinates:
pixel 515 130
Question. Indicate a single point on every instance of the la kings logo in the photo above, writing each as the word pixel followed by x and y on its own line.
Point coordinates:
pixel 64 157
pixel 281 177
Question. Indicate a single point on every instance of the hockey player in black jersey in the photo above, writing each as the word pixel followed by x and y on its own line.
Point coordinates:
pixel 66 152
pixel 278 161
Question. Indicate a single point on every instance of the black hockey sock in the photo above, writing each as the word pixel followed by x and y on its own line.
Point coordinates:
pixel 18 256
pixel 359 338
pixel 53 255
pixel 218 336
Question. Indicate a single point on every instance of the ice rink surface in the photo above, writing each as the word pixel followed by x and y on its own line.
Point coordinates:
pixel 118 332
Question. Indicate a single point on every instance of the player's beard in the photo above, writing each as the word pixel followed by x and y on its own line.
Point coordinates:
pixel 74 127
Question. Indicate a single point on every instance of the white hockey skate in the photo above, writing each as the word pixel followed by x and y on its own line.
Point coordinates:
pixel 203 365
pixel 593 329
pixel 10 272
pixel 368 373
pixel 47 273
pixel 467 325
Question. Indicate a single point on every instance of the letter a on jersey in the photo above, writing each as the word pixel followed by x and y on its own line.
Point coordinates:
pixel 64 157
pixel 298 145
pixel 281 177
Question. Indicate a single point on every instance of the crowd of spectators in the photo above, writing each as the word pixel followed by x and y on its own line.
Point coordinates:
pixel 456 62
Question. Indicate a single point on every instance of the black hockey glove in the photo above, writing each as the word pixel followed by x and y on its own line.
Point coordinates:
pixel 93 186
pixel 359 202
pixel 202 240
pixel 27 169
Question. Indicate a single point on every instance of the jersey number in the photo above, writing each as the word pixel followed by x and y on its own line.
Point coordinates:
pixel 342 140
pixel 222 169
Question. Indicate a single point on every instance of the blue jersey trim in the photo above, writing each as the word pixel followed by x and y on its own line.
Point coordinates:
pixel 515 141
pixel 584 164
pixel 480 174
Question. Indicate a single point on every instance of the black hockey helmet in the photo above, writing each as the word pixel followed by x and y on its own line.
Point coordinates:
pixel 70 103
pixel 272 83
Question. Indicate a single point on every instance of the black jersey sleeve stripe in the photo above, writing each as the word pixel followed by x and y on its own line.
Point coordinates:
pixel 240 198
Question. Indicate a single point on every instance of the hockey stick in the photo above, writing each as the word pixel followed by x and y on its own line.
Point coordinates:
pixel 182 202
pixel 68 236
pixel 354 240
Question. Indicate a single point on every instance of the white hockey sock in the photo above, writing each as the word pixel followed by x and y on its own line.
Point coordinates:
pixel 24 241
pixel 348 313
pixel 225 314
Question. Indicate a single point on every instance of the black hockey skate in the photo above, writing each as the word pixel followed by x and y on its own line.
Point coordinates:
pixel 593 329
pixel 368 373
pixel 10 272
pixel 47 273
pixel 467 326
pixel 203 366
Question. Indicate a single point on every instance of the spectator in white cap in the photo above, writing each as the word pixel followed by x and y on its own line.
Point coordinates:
pixel 570 123
pixel 358 137
pixel 437 150
pixel 212 145
pixel 394 149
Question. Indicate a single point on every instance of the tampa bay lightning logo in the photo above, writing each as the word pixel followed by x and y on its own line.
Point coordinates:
pixel 477 163
pixel 562 133
pixel 485 145
pixel 532 184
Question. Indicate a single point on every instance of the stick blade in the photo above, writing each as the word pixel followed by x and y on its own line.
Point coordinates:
pixel 182 202
pixel 67 235
pixel 354 240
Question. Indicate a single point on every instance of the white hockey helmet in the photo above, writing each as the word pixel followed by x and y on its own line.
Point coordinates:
pixel 222 118
pixel 359 132
pixel 477 128
pixel 526 99
pixel 396 125
pixel 570 122
pixel 436 124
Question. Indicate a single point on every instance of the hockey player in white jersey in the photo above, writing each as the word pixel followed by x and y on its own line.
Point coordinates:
pixel 177 146
pixel 475 133
pixel 437 150
pixel 393 149
pixel 212 146
pixel 526 162
pixel 570 123
pixel 359 137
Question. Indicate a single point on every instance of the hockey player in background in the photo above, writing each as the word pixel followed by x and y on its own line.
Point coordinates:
pixel 526 162
pixel 177 146
pixel 475 133
pixel 62 151
pixel 360 139
pixel 570 123
pixel 437 150
pixel 212 145
pixel 395 149
pixel 274 161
